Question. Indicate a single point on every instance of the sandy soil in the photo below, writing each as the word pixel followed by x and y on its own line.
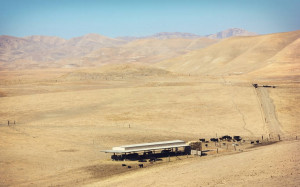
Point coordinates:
pixel 61 126
pixel 273 165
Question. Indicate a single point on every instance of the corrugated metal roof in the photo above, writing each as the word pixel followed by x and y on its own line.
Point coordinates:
pixel 147 146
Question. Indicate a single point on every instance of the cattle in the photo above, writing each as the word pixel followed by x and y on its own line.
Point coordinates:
pixel 117 157
pixel 214 140
pixel 123 164
pixel 202 139
pixel 152 159
pixel 141 165
pixel 114 157
pixel 165 152
pixel 226 137
pixel 252 142
pixel 257 141
pixel 133 156
pixel 237 138
pixel 129 166
pixel 255 85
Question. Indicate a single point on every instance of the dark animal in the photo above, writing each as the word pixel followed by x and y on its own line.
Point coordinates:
pixel 255 85
pixel 214 139
pixel 226 137
pixel 123 164
pixel 202 139
pixel 237 138
pixel 141 165
pixel 252 142
pixel 129 166
pixel 257 141
pixel 114 157
pixel 152 159
pixel 206 145
pixel 133 156
pixel 165 151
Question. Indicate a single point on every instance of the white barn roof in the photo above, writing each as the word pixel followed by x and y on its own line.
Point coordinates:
pixel 147 146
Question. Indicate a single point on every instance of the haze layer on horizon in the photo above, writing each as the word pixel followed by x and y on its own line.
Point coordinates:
pixel 71 18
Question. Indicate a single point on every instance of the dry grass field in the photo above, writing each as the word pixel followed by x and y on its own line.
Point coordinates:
pixel 60 119
pixel 65 117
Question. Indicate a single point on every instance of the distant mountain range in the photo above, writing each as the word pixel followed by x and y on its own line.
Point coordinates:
pixel 230 33
pixel 218 54
pixel 95 49
pixel 220 35
pixel 164 35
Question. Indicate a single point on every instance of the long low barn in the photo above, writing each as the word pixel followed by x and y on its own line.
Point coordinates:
pixel 147 147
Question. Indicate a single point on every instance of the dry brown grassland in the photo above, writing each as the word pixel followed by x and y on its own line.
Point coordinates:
pixel 63 120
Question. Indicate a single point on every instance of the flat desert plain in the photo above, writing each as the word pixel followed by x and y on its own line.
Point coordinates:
pixel 60 120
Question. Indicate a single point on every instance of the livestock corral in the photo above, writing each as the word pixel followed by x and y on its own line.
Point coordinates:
pixel 156 151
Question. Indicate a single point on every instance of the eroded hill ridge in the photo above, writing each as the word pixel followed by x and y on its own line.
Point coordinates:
pixel 94 49
pixel 273 55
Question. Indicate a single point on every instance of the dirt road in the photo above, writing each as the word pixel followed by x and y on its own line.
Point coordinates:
pixel 273 125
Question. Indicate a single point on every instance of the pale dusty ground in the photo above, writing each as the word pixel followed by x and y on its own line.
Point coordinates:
pixel 62 125
pixel 274 165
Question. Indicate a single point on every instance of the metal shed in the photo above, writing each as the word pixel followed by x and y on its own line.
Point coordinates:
pixel 147 146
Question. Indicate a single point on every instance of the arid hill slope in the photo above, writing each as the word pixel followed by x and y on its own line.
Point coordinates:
pixel 146 50
pixel 89 50
pixel 284 63
pixel 115 72
pixel 242 55
pixel 48 48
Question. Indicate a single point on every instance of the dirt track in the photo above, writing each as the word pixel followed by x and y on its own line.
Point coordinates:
pixel 268 108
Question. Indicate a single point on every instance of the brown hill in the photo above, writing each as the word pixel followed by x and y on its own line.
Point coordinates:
pixel 169 35
pixel 115 72
pixel 94 41
pixel 240 55
pixel 146 50
pixel 48 49
pixel 163 36
pixel 89 50
pixel 46 40
pixel 285 63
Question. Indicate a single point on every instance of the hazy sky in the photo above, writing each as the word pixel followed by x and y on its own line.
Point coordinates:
pixel 70 18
